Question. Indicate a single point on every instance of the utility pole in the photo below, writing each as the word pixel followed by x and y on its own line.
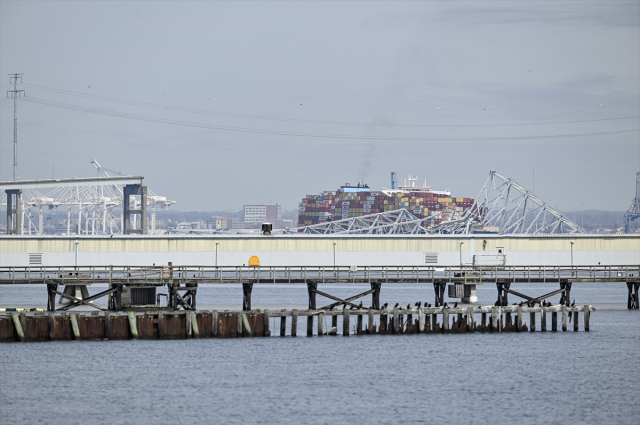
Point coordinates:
pixel 15 93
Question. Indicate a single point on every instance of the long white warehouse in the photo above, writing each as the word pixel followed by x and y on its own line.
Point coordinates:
pixel 319 250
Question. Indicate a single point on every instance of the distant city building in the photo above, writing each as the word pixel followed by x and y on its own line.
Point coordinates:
pixel 258 214
pixel 219 223
pixel 160 224
pixel 192 225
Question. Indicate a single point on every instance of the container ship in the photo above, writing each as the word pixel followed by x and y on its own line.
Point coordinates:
pixel 354 201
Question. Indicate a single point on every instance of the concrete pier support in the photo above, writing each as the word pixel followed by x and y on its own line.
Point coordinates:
pixel 14 211
pixel 77 291
pixel 129 190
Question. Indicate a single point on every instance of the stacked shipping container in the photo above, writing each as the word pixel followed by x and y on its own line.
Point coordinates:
pixel 344 203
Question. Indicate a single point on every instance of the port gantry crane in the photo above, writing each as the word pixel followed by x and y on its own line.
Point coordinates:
pixel 634 210
pixel 93 204
pixel 153 199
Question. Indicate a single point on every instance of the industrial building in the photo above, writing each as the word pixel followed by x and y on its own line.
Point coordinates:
pixel 258 214
pixel 320 250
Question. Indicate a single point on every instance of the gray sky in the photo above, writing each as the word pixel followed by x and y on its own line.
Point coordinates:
pixel 375 72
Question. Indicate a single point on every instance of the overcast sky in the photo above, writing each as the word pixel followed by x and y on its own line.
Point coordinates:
pixel 450 78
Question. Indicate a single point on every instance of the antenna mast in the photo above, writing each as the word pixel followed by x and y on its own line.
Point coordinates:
pixel 15 93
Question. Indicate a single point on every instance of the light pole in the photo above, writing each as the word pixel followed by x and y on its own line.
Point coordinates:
pixel 76 242
pixel 217 243
pixel 334 256
pixel 571 258
pixel 461 243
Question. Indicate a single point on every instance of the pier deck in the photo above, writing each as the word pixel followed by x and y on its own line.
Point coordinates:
pixel 140 283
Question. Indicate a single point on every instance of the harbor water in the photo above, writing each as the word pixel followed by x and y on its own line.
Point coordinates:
pixel 525 378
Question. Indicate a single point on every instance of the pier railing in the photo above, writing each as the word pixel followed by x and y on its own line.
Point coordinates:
pixel 161 275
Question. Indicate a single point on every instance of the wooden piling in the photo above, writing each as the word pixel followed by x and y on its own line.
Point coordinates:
pixel 587 312
pixel 345 322
pixel 194 324
pixel 283 324
pixel 18 326
pixel 160 324
pixel 470 321
pixel 52 327
pixel 107 325
pixel 321 323
pixel 554 321
pixel 132 324
pixel 187 324
pixel 359 324
pixel 532 322
pixel 421 320
pixel 484 321
pixel 334 321
pixel 309 324
pixel 396 320
pixel 239 325
pixel 519 320
pixel 371 324
pixel 247 331
pixel 575 321
pixel 543 319
pixel 267 322
pixel 445 320
pixel 74 325
pixel 564 318
pixel 294 322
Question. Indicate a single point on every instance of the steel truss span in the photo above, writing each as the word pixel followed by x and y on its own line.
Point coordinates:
pixel 502 207
pixel 398 222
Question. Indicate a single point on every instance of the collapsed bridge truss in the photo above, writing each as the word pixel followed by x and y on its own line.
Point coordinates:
pixel 503 207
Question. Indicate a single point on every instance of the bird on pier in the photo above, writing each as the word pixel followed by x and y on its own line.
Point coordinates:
pixel 419 304
pixel 408 306
pixel 331 308
pixel 573 303
pixel 360 306
pixel 353 307
pixel 396 306
pixel 497 303
pixel 445 305
pixel 428 305
pixel 384 307
pixel 455 305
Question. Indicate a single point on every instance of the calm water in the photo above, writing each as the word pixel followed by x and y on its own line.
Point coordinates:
pixel 528 378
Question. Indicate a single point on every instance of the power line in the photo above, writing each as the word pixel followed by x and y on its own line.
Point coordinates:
pixel 301 134
pixel 299 120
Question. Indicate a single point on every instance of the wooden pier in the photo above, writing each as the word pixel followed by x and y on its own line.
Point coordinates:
pixel 40 326
pixel 136 287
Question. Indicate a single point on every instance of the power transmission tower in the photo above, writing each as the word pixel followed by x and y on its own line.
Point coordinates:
pixel 15 93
